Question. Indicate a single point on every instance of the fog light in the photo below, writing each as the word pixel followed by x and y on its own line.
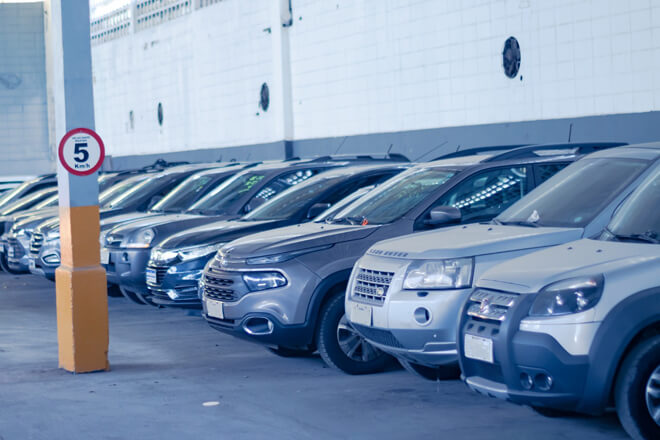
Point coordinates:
pixel 52 259
pixel 422 315
pixel 526 381
pixel 543 382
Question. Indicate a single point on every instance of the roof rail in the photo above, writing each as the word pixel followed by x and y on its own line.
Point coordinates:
pixel 388 157
pixel 530 151
pixel 291 159
pixel 478 150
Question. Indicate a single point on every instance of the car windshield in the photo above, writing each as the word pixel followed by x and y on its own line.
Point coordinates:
pixel 329 214
pixel 29 201
pixel 637 220
pixel 135 193
pixel 576 195
pixel 118 189
pixel 288 203
pixel 186 193
pixel 227 193
pixel 48 203
pixel 13 194
pixel 394 198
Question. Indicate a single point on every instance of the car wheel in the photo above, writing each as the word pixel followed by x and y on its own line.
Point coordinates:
pixel 291 352
pixel 342 347
pixel 113 291
pixel 131 295
pixel 442 372
pixel 637 391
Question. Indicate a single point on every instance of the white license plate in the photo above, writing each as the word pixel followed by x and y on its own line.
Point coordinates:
pixel 105 256
pixel 31 264
pixel 151 276
pixel 10 251
pixel 361 314
pixel 478 348
pixel 215 309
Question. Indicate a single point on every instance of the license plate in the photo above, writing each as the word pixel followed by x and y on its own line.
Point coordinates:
pixel 32 265
pixel 151 276
pixel 215 309
pixel 478 348
pixel 105 256
pixel 10 251
pixel 361 314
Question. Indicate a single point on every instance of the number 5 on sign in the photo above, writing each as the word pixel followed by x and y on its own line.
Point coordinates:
pixel 81 151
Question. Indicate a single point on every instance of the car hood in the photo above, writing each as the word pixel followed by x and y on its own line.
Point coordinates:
pixel 472 240
pixel 532 272
pixel 297 237
pixel 218 232
pixel 34 220
pixel 161 224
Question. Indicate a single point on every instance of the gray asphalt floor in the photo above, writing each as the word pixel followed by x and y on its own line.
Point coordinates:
pixel 167 363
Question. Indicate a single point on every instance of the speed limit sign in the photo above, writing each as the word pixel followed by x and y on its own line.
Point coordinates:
pixel 81 151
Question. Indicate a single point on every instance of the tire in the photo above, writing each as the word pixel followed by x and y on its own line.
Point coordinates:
pixel 291 352
pixel 443 372
pixel 637 390
pixel 113 291
pixel 360 357
pixel 131 295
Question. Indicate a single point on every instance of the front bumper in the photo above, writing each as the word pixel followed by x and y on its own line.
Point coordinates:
pixel 272 317
pixel 126 267
pixel 44 257
pixel 176 283
pixel 522 362
pixel 17 254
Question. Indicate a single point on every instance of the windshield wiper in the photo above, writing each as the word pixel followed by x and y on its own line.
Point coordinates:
pixel 647 237
pixel 346 220
pixel 519 223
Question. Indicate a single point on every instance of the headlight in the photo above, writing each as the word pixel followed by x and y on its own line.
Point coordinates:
pixel 264 280
pixel 439 274
pixel 278 258
pixel 53 235
pixel 142 239
pixel 166 255
pixel 568 296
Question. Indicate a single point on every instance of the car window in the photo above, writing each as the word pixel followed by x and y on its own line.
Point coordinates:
pixel 329 213
pixel 48 203
pixel 544 171
pixel 487 193
pixel 577 194
pixel 223 196
pixel 396 197
pixel 118 189
pixel 281 183
pixel 136 192
pixel 639 217
pixel 187 192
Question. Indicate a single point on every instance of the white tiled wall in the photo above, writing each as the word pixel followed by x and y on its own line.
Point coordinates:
pixel 369 66
pixel 23 113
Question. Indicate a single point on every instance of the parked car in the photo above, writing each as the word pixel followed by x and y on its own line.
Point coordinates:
pixel 575 327
pixel 284 288
pixel 176 265
pixel 10 182
pixel 28 187
pixel 126 251
pixel 139 198
pixel 424 279
pixel 44 255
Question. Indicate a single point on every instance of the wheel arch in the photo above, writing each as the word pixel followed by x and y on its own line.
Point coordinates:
pixel 326 290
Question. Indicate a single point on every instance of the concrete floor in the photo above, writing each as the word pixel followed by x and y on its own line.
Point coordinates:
pixel 166 364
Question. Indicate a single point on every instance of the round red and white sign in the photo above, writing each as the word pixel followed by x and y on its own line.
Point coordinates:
pixel 81 151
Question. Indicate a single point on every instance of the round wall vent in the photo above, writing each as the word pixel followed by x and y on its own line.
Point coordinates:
pixel 264 97
pixel 511 57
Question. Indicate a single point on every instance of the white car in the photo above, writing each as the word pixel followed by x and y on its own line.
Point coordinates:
pixel 575 327
pixel 425 278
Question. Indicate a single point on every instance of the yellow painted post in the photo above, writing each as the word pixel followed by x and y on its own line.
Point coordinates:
pixel 82 304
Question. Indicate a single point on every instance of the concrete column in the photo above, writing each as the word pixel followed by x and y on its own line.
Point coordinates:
pixel 82 308
pixel 281 93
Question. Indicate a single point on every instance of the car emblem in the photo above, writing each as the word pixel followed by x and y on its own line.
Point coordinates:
pixel 380 291
pixel 485 306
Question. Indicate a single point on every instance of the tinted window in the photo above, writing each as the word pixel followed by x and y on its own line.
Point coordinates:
pixel 639 216
pixel 229 192
pixel 282 183
pixel 395 197
pixel 118 189
pixel 486 194
pixel 137 192
pixel 186 193
pixel 547 170
pixel 577 194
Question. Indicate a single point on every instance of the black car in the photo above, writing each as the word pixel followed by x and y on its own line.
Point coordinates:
pixel 176 265
pixel 129 246
pixel 28 187
pixel 285 288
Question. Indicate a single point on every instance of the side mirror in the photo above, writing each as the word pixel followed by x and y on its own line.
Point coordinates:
pixel 317 209
pixel 154 200
pixel 443 215
pixel 254 204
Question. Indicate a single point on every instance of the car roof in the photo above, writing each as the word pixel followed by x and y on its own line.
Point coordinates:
pixel 362 168
pixel 647 151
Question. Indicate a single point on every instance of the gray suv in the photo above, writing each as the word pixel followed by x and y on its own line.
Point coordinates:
pixel 284 288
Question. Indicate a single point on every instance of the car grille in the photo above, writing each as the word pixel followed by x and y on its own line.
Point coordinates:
pixel 490 305
pixel 160 274
pixel 36 242
pixel 216 287
pixel 379 336
pixel 17 247
pixel 372 285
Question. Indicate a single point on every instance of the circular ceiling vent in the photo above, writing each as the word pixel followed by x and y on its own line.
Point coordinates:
pixel 511 57
pixel 160 113
pixel 264 97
